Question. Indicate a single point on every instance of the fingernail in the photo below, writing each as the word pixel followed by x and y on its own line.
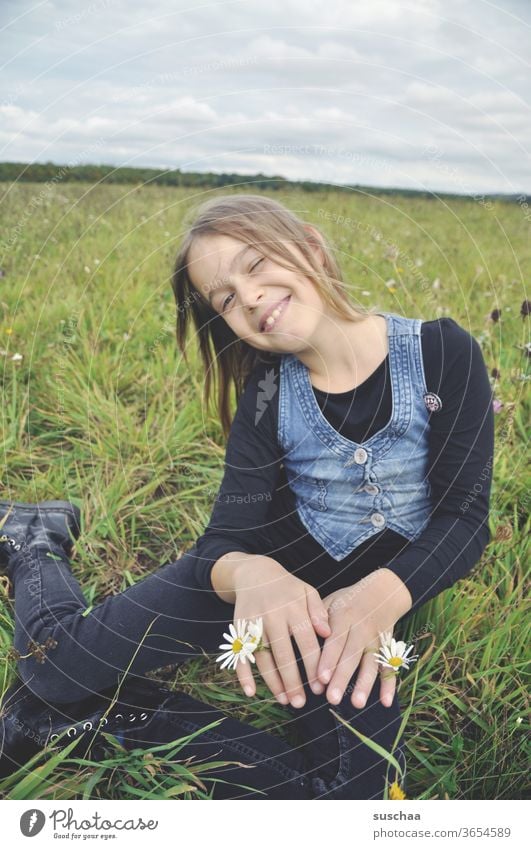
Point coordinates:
pixel 317 688
pixel 298 701
pixel 360 699
pixel 282 698
pixel 335 696
pixel 325 675
pixel 248 690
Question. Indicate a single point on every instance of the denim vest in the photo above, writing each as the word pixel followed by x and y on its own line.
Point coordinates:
pixel 345 492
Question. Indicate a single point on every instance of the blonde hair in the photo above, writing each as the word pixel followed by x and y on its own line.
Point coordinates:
pixel 264 223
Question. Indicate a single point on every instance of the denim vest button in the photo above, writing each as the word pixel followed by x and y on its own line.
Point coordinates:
pixel 378 520
pixel 360 455
pixel 371 488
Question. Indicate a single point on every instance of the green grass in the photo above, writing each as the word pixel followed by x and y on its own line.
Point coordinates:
pixel 102 410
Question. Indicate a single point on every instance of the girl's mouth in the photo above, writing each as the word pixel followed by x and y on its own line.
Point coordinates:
pixel 272 319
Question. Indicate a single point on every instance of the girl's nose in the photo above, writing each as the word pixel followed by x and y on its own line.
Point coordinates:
pixel 250 297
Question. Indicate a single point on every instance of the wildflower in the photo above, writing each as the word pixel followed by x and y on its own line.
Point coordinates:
pixel 237 646
pixel 497 405
pixel 87 269
pixel 393 654
pixel 9 331
pixel 38 650
pixel 395 792
pixel 391 253
pixel 436 284
pixel 365 292
pixel 16 358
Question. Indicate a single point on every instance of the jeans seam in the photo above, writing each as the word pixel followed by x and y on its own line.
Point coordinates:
pixel 286 772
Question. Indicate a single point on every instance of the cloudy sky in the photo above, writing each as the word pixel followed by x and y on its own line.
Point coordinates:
pixel 414 93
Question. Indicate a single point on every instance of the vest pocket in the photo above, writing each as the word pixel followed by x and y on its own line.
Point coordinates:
pixel 312 492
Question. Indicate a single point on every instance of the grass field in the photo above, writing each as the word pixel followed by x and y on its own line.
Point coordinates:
pixel 100 409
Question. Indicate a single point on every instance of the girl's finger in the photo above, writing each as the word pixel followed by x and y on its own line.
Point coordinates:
pixel 317 612
pixel 332 650
pixel 286 664
pixel 245 677
pixel 388 686
pixel 367 674
pixel 310 652
pixel 345 668
pixel 269 672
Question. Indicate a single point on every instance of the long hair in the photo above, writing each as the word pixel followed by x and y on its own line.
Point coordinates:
pixel 264 223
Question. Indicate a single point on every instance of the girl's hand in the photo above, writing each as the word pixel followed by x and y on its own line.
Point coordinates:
pixel 289 608
pixel 357 616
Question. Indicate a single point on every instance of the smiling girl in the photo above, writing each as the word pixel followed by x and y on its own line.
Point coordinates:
pixel 345 503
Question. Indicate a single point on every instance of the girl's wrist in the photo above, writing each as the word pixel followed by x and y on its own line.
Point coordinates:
pixel 394 590
pixel 235 571
pixel 223 575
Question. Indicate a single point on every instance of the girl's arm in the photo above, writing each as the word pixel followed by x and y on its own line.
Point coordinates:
pixel 461 453
pixel 252 466
pixel 229 557
pixel 461 448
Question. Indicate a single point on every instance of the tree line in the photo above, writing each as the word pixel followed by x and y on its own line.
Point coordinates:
pixel 43 172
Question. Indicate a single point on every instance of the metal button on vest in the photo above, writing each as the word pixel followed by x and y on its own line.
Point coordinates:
pixel 360 455
pixel 378 520
pixel 371 488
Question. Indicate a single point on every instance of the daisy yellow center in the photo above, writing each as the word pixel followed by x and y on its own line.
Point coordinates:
pixel 395 662
pixel 237 646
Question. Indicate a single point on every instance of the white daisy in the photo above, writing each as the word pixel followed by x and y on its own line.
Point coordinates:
pixel 394 654
pixel 237 645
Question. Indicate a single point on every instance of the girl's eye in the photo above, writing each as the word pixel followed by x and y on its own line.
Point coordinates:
pixel 224 304
pixel 257 263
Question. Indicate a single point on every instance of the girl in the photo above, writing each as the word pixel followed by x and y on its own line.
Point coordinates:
pixel 349 496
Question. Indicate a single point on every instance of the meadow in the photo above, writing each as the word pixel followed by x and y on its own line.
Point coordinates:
pixel 98 407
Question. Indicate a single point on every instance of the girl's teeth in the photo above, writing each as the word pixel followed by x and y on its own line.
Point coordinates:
pixel 270 320
pixel 273 317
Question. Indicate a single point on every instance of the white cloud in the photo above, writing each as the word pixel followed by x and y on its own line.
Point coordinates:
pixel 347 91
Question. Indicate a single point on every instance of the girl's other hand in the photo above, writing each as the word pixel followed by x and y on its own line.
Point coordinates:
pixel 289 608
pixel 357 616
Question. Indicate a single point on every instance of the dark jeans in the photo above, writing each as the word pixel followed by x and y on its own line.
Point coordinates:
pixel 167 618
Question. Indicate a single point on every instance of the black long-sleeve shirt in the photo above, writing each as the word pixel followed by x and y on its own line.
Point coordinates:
pixel 255 511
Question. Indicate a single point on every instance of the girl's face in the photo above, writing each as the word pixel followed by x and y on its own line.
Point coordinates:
pixel 266 305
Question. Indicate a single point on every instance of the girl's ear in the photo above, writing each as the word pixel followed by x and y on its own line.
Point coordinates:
pixel 315 242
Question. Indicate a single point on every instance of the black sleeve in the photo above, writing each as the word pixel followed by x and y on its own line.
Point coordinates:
pixel 252 465
pixel 461 452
